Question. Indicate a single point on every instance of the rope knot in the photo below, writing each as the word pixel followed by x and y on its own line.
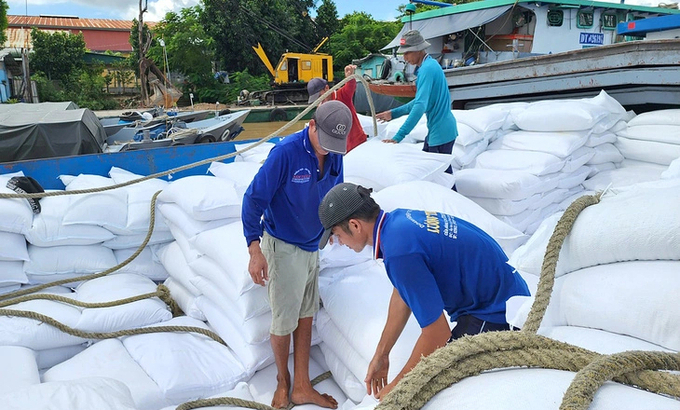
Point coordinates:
pixel 165 296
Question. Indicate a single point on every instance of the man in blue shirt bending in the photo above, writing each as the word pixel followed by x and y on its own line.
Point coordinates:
pixel 436 263
pixel 432 99
pixel 282 229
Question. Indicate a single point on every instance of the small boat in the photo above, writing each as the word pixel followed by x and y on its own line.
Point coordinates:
pixel 221 128
pixel 149 118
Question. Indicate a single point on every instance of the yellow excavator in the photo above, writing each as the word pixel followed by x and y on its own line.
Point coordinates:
pixel 291 75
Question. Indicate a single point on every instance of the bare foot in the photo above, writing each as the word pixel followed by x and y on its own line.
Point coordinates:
pixel 310 396
pixel 280 400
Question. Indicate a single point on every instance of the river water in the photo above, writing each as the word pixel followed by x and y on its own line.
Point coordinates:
pixel 259 130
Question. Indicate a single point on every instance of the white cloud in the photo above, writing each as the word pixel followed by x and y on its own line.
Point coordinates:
pixel 157 9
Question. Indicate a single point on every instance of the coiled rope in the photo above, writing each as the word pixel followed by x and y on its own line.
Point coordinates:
pixel 472 355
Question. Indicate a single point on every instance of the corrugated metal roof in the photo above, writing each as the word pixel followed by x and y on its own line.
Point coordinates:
pixel 66 22
pixel 486 4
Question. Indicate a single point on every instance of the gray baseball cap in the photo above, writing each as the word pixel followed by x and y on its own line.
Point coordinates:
pixel 333 122
pixel 412 41
pixel 315 87
pixel 338 204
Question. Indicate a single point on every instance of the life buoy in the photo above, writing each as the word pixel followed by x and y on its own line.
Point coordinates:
pixel 278 114
pixel 386 68
pixel 399 77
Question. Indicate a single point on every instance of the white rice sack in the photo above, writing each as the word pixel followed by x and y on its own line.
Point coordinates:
pixel 560 144
pixel 605 153
pixel 533 162
pixel 19 369
pixel 465 155
pixel 432 197
pixel 578 159
pixel 367 124
pixel 607 137
pixel 76 260
pixel 570 180
pixel 246 305
pixel 530 217
pixel 185 299
pixel 139 200
pixel 256 154
pixel 482 120
pixel 189 226
pixel 574 194
pixel 207 367
pixel 12 273
pixel 107 209
pixel 136 240
pixel 418 133
pixel 628 163
pixel 13 247
pixel 188 251
pixel 350 385
pixel 668 134
pixel 241 391
pixel 602 232
pixel 235 262
pixel 109 358
pixel 173 260
pixel 252 357
pixel 33 334
pixel 646 291
pixel 147 263
pixel 83 394
pixel 656 118
pixel 16 215
pixel 240 173
pixel 599 341
pixel 468 136
pixel 377 165
pixel 9 288
pixel 622 177
pixel 126 316
pixel 48 227
pixel 254 329
pixel 673 170
pixel 559 115
pixel 263 384
pixel 528 258
pixel 204 197
pixel 493 183
pixel 596 169
pixel 49 358
pixel 335 255
pixel 648 151
pixel 491 390
pixel 498 206
pixel 347 309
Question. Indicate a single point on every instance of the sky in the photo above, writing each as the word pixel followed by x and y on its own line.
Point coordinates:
pixel 129 9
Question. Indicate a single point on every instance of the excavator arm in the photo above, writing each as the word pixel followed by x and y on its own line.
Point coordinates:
pixel 260 53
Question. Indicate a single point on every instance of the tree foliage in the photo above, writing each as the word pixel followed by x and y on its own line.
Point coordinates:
pixel 3 21
pixel 327 20
pixel 133 58
pixel 360 35
pixel 57 54
pixel 237 25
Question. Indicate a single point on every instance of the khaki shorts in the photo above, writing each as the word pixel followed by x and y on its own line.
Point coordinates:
pixel 293 283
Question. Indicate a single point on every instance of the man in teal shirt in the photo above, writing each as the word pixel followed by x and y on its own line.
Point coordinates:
pixel 432 99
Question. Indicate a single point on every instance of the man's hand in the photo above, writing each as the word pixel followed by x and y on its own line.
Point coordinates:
pixel 384 116
pixel 349 70
pixel 376 377
pixel 257 267
pixel 382 393
pixel 390 141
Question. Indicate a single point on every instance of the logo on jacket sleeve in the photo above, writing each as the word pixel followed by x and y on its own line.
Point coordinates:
pixel 302 176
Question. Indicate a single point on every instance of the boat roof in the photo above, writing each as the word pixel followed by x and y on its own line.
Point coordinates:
pixel 487 4
pixel 649 25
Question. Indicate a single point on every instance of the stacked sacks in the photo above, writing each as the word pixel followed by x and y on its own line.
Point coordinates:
pixel 526 175
pixel 159 369
pixel 54 346
pixel 15 218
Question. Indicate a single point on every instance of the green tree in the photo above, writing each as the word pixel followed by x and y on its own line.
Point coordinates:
pixel 58 54
pixel 133 58
pixel 359 36
pixel 237 25
pixel 3 21
pixel 327 20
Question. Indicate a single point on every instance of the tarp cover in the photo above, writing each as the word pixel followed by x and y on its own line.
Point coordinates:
pixel 41 107
pixel 44 134
pixel 452 23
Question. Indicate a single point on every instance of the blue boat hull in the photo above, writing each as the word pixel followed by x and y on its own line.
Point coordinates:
pixel 143 162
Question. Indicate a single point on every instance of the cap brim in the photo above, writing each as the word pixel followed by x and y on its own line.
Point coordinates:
pixel 325 237
pixel 419 47
pixel 332 144
pixel 314 97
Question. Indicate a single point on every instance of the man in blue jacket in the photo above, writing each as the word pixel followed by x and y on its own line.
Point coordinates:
pixel 282 229
pixel 436 263
pixel 432 99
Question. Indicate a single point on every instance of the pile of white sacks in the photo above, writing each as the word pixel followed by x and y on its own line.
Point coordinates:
pixel 520 177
